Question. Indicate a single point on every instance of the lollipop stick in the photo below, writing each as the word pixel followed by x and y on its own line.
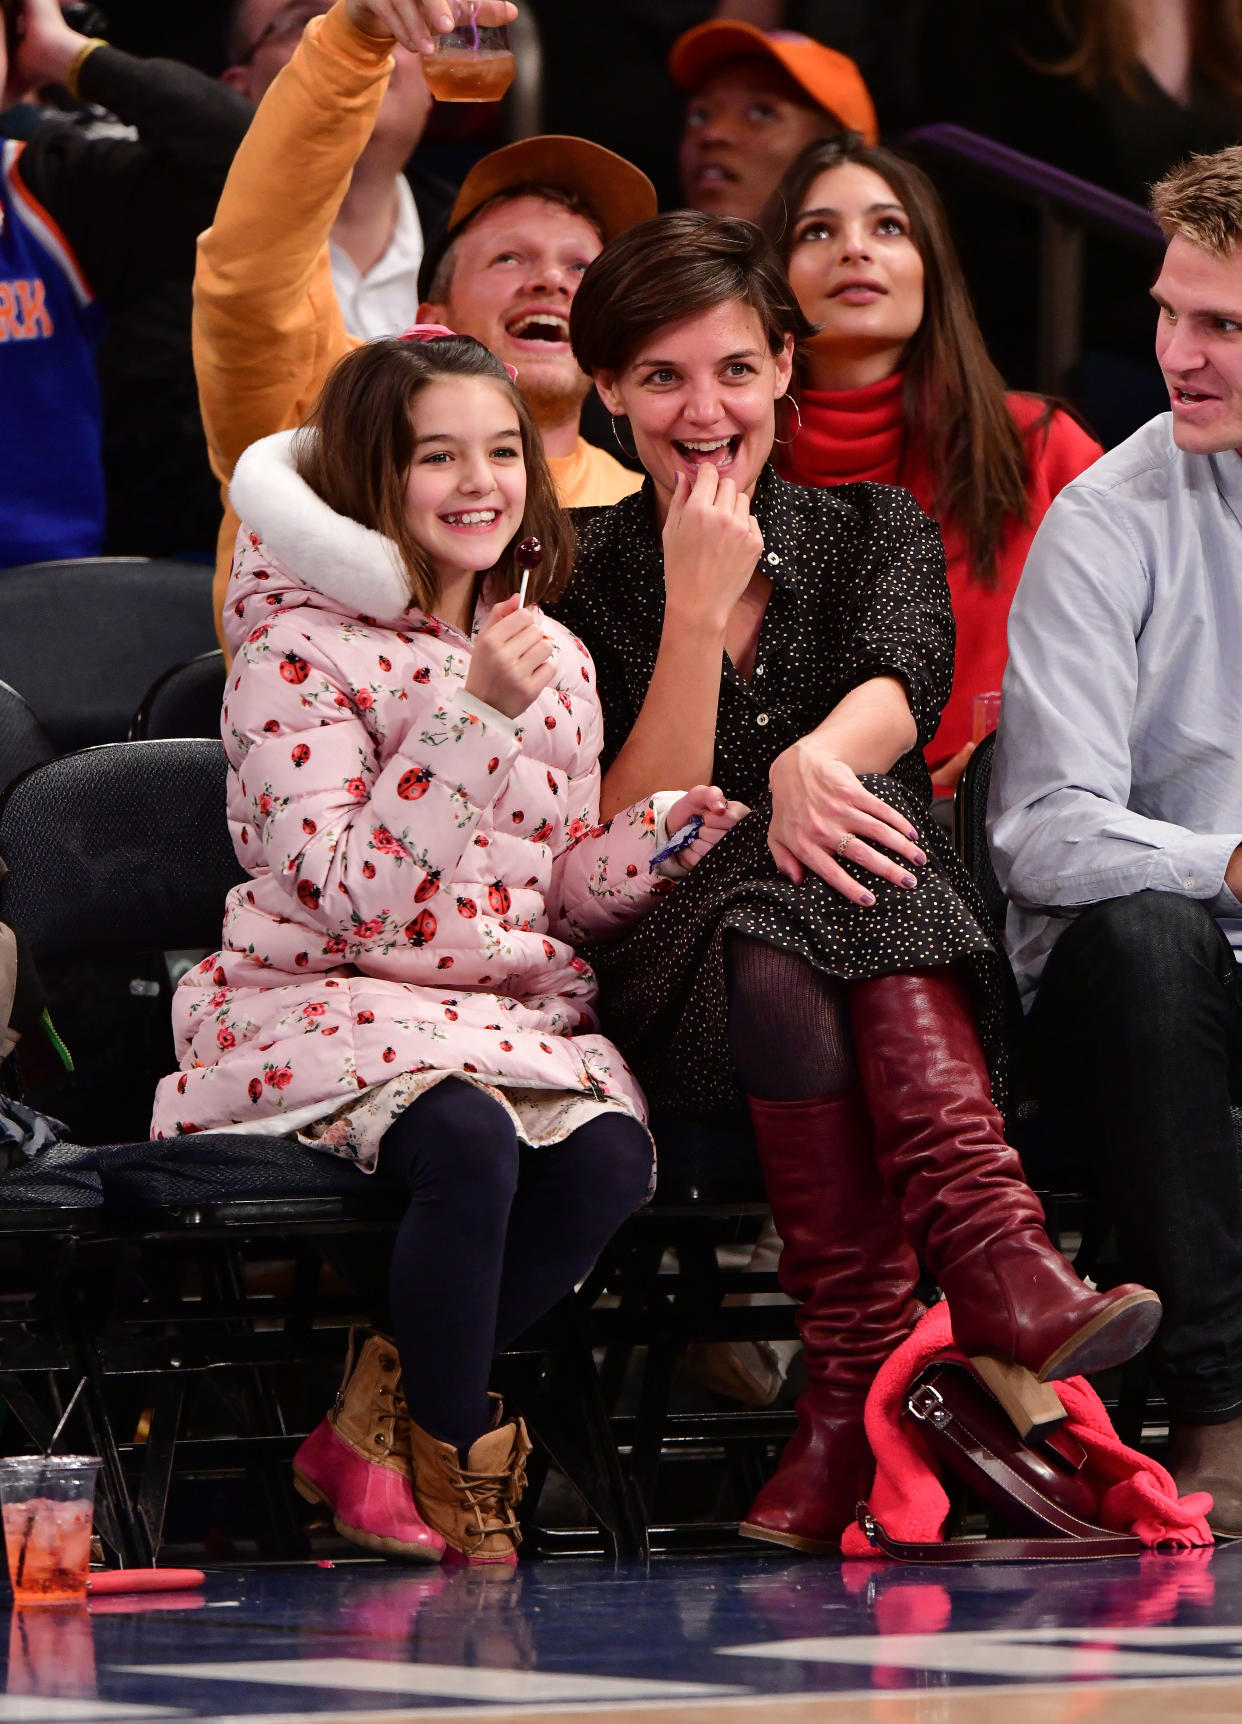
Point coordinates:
pixel 525 584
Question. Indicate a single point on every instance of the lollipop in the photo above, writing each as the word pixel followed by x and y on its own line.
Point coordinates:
pixel 529 555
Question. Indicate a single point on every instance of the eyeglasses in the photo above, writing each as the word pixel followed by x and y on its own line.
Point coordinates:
pixel 286 26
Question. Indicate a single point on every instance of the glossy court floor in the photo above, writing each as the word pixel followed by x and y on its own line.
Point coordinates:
pixel 741 1636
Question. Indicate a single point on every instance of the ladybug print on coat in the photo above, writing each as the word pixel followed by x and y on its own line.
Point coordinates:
pixel 422 930
pixel 387 860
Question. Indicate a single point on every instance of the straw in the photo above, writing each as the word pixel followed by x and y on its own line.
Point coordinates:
pixel 41 1485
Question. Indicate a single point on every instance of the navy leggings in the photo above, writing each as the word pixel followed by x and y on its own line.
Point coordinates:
pixel 496 1233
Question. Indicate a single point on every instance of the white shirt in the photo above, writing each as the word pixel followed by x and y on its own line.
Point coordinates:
pixel 1119 759
pixel 384 301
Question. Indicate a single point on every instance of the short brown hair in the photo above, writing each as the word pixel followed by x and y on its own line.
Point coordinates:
pixel 358 461
pixel 1202 201
pixel 671 267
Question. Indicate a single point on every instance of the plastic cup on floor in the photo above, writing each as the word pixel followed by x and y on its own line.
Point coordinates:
pixel 48 1506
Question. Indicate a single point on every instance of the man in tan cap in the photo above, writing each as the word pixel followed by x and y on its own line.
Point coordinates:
pixel 267 324
pixel 526 223
pixel 757 98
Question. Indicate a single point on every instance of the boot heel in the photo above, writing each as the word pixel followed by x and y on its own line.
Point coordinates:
pixel 1034 1407
pixel 304 1488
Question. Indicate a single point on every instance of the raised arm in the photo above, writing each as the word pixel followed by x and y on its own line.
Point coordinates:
pixel 711 547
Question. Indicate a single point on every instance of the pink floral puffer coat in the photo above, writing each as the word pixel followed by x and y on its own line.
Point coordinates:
pixel 419 865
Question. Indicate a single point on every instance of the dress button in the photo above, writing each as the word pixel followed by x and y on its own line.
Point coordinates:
pixel 773 558
pixel 758 670
pixel 761 718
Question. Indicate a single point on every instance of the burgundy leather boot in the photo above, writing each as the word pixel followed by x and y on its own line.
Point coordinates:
pixel 848 1266
pixel 963 1198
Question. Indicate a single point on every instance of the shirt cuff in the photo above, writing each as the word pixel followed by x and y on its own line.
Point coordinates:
pixel 487 714
pixel 1197 866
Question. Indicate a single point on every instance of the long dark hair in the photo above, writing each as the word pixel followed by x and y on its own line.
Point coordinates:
pixel 676 266
pixel 358 461
pixel 953 398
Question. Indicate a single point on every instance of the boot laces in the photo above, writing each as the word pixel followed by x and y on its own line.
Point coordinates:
pixel 492 1498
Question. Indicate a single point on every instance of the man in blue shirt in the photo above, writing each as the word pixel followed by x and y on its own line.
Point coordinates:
pixel 1116 824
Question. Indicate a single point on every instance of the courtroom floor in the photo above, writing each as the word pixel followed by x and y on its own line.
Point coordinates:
pixel 749 1635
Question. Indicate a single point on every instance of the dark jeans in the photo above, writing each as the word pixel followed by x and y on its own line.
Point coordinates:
pixel 1137 1033
pixel 496 1233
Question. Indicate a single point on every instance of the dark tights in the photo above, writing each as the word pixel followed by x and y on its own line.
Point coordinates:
pixel 495 1234
pixel 789 1026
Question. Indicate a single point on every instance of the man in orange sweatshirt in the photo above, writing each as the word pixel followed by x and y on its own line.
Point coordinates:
pixel 267 324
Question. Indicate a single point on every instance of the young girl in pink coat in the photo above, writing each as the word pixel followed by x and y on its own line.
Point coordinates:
pixel 413 790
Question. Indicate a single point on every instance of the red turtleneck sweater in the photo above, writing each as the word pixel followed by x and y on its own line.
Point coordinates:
pixel 852 434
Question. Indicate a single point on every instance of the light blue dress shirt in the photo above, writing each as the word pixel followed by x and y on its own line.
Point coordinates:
pixel 1119 760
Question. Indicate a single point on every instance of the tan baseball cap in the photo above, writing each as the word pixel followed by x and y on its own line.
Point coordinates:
pixel 616 192
pixel 830 79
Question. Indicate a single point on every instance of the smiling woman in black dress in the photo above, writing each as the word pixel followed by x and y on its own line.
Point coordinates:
pixel 828 960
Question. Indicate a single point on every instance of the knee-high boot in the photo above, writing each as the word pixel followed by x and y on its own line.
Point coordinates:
pixel 848 1266
pixel 965 1204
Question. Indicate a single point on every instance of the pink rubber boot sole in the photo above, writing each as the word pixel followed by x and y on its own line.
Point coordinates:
pixel 372 1505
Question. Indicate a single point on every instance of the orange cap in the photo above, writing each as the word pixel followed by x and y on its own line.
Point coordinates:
pixel 830 79
pixel 616 192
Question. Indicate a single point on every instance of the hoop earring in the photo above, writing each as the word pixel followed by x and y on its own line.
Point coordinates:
pixel 630 454
pixel 784 441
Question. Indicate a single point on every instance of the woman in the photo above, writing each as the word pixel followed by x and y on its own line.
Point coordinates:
pixel 413 789
pixel 895 384
pixel 826 957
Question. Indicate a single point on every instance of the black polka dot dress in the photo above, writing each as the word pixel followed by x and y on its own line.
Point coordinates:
pixel 858 591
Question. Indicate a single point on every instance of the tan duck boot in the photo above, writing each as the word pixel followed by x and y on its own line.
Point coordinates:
pixel 357 1458
pixel 473 1508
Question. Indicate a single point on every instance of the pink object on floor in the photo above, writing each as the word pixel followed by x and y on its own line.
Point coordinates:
pixel 372 1504
pixel 1136 1494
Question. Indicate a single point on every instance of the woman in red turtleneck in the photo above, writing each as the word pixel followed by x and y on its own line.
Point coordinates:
pixel 897 386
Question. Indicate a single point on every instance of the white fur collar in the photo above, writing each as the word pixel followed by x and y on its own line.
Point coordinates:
pixel 356 567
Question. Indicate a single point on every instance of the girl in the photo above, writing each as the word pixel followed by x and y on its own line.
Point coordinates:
pixel 896 385
pixel 414 793
pixel 829 962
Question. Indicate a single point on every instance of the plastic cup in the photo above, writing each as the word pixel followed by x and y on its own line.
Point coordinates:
pixel 984 715
pixel 48 1505
pixel 473 62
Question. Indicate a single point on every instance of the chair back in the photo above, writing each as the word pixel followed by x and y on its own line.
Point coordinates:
pixel 83 639
pixel 970 835
pixel 117 856
pixel 185 701
pixel 23 741
pixel 119 848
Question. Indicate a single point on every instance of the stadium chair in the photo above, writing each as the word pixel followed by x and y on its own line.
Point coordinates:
pixel 185 701
pixel 23 741
pixel 83 639
pixel 198 1291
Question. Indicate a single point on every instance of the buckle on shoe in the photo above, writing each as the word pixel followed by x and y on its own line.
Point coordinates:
pixel 927 1404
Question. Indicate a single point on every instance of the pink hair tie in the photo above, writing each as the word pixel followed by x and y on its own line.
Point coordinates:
pixel 436 332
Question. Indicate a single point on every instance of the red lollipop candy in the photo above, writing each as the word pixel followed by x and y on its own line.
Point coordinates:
pixel 528 555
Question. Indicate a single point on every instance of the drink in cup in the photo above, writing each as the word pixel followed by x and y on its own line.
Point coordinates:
pixel 473 62
pixel 47 1503
pixel 984 715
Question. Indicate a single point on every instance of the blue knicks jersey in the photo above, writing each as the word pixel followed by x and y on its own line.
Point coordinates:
pixel 51 473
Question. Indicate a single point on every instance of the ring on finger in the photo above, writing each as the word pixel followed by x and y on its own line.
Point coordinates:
pixel 847 838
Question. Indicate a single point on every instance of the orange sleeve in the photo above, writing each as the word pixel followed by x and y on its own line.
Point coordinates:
pixel 267 325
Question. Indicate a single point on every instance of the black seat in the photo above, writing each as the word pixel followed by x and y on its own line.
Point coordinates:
pixel 23 741
pixel 83 639
pixel 185 701
pixel 970 830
